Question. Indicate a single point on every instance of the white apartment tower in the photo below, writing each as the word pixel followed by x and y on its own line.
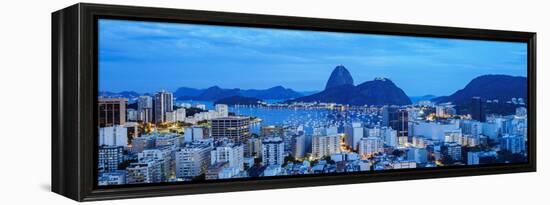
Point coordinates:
pixel 369 146
pixel 231 153
pixel 325 145
pixel 273 151
pixel 192 160
pixel 222 110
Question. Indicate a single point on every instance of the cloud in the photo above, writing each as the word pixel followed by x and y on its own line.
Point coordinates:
pixel 135 46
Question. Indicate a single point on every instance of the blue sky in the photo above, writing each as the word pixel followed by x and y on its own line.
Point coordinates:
pixel 150 56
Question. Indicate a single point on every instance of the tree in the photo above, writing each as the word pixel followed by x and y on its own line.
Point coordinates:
pixel 447 160
pixel 397 153
pixel 125 164
pixel 329 160
pixel 201 177
pixel 257 160
pixel 505 156
pixel 288 159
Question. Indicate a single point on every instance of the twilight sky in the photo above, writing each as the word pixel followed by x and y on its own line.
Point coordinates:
pixel 150 56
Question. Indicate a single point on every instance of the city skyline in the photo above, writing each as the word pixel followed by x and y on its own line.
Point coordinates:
pixel 362 119
pixel 149 56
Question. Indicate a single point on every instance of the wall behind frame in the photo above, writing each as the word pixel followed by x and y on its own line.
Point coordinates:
pixel 25 88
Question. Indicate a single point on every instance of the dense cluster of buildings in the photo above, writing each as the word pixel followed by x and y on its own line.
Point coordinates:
pixel 417 136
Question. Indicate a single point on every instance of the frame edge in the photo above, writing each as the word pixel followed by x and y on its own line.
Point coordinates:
pixel 65 176
pixel 69 86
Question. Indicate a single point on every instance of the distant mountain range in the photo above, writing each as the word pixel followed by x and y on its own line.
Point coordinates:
pixel 123 94
pixel 415 99
pixel 305 93
pixel 185 91
pixel 238 100
pixel 340 89
pixel 215 93
pixel 489 87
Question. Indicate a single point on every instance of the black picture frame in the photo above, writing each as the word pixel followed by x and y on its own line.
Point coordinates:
pixel 74 98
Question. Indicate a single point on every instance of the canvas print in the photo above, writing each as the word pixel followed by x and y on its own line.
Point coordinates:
pixel 192 103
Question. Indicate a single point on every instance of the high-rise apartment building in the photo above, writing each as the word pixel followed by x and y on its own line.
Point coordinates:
pixel 109 157
pixel 230 153
pixel 192 160
pixel 180 115
pixel 354 133
pixel 235 128
pixel 454 151
pixel 513 143
pixel 370 145
pixel 144 172
pixel 273 151
pixel 476 109
pixel 271 131
pixel 111 111
pixel 113 136
pixel 222 110
pixel 145 109
pixel 298 146
pixel 325 145
pixel 398 120
pixel 164 102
